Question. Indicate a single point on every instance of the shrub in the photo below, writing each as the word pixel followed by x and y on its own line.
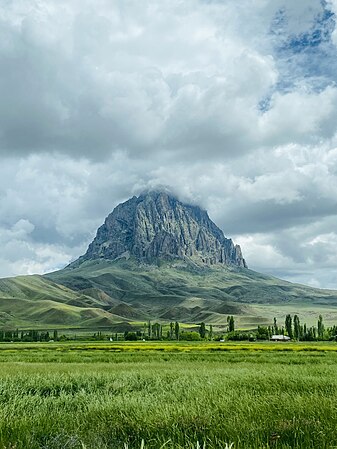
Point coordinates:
pixel 190 336
pixel 131 336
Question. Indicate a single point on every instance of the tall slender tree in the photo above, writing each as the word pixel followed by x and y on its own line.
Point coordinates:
pixel 171 330
pixel 289 326
pixel 231 323
pixel 202 330
pixel 296 327
pixel 320 327
pixel 177 330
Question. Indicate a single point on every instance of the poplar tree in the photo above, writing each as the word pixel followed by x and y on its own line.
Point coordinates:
pixel 231 323
pixel 171 330
pixel 296 327
pixel 176 330
pixel 202 330
pixel 301 336
pixel 156 330
pixel 288 326
pixel 320 327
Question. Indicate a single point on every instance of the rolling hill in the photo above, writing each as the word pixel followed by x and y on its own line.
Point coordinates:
pixel 107 294
pixel 189 293
pixel 157 258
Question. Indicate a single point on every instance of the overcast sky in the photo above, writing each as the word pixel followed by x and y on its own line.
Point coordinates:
pixel 230 103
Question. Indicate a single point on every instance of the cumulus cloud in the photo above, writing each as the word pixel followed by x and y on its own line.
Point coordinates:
pixel 90 78
pixel 233 105
pixel 21 254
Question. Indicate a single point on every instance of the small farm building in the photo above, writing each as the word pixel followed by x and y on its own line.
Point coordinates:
pixel 279 338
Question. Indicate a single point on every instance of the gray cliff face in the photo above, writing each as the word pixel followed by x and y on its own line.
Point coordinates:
pixel 155 226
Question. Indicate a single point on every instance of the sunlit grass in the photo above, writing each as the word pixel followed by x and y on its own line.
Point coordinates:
pixel 172 346
pixel 80 397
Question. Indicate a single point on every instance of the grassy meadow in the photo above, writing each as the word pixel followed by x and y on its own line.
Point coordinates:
pixel 171 395
pixel 122 294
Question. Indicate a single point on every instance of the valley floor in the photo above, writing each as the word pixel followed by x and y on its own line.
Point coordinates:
pixel 168 395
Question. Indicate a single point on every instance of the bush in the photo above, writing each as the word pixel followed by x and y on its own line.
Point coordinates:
pixel 240 336
pixel 190 336
pixel 131 336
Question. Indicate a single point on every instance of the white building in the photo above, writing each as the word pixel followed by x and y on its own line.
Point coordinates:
pixel 279 338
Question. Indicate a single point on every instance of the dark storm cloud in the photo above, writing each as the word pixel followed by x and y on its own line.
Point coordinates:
pixel 266 216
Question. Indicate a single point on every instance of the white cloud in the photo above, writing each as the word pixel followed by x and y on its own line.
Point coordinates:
pixel 300 117
pixel 101 100
pixel 20 254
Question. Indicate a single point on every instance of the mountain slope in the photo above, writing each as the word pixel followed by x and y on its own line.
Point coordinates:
pixel 157 258
pixel 102 293
pixel 131 282
pixel 156 226
pixel 182 291
pixel 35 301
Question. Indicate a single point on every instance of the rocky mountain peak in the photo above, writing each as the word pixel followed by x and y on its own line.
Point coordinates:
pixel 156 225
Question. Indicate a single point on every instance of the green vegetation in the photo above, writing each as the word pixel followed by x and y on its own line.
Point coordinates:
pixel 172 395
pixel 35 301
pixel 122 295
pixel 172 332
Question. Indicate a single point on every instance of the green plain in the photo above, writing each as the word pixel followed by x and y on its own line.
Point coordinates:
pixel 172 395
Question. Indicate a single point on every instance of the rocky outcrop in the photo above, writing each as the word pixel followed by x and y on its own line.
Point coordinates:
pixel 156 226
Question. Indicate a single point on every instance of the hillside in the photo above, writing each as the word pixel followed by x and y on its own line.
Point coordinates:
pixel 156 258
pixel 189 293
pixel 107 294
pixel 35 301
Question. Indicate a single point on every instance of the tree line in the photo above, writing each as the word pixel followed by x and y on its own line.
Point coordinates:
pixel 175 332
pixel 28 336
pixel 292 328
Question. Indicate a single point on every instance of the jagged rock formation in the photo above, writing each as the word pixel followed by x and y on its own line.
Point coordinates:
pixel 156 226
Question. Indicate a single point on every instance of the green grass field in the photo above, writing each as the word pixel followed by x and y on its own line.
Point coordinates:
pixel 170 395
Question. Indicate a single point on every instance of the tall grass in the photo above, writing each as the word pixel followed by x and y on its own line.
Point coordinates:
pixel 103 400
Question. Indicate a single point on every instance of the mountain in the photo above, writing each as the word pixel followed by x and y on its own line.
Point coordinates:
pixel 36 301
pixel 156 226
pixel 160 259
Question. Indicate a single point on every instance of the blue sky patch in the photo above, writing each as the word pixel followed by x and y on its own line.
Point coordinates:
pixel 309 57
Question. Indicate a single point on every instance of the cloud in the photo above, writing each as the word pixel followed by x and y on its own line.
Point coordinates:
pixel 21 254
pixel 88 79
pixel 232 106
pixel 305 254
